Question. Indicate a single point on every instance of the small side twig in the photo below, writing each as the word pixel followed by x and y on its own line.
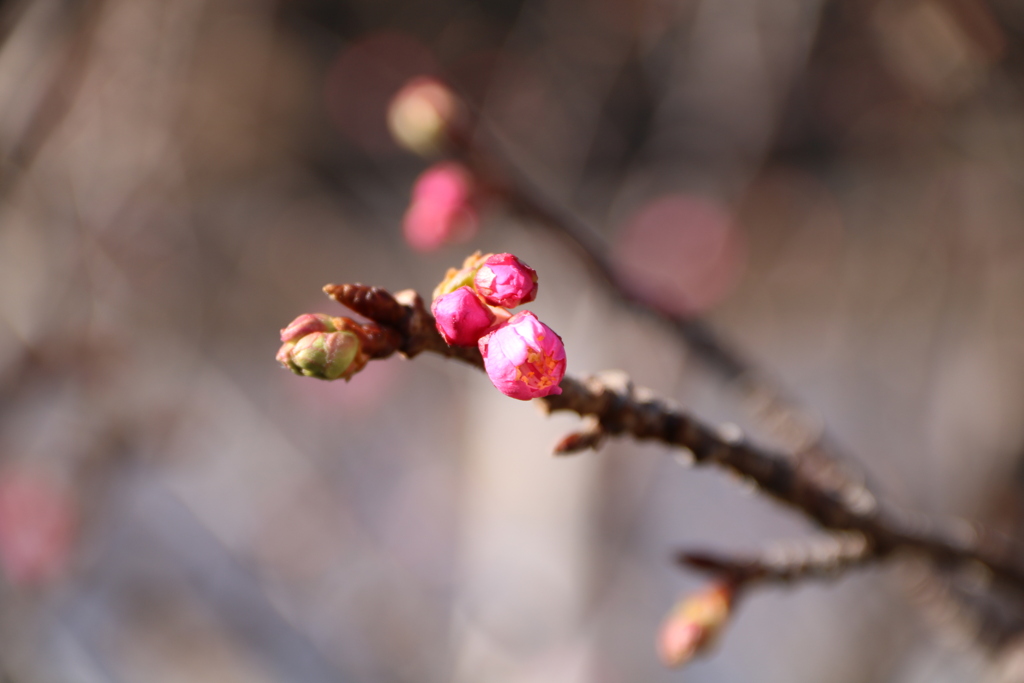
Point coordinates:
pixel 590 438
pixel 817 558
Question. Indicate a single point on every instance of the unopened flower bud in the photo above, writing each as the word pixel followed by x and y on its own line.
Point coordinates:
pixel 695 624
pixel 462 318
pixel 422 114
pixel 324 355
pixel 307 323
pixel 461 277
pixel 442 210
pixel 504 280
pixel 524 357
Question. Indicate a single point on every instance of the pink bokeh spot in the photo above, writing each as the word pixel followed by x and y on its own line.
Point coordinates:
pixel 524 358
pixel 681 253
pixel 37 522
pixel 442 210
pixel 363 80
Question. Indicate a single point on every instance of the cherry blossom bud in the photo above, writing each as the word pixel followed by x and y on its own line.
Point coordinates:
pixel 462 318
pixel 442 210
pixel 461 277
pixel 307 323
pixel 695 624
pixel 324 355
pixel 504 280
pixel 422 114
pixel 524 357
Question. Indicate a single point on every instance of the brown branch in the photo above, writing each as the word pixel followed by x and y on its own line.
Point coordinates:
pixel 798 483
pixel 775 408
pixel 818 558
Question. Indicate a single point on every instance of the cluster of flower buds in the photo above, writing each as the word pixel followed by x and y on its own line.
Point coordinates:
pixel 523 357
pixel 695 623
pixel 318 345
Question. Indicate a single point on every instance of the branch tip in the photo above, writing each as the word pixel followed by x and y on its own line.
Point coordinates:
pixel 375 303
pixel 591 438
pixel 862 529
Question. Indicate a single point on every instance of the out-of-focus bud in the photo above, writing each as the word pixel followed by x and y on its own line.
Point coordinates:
pixel 316 346
pixel 504 280
pixel 462 318
pixel 442 210
pixel 524 357
pixel 307 323
pixel 461 277
pixel 695 624
pixel 422 114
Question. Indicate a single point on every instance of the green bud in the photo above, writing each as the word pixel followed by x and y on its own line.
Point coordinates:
pixel 324 355
pixel 422 114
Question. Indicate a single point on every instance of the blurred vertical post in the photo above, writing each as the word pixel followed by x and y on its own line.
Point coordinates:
pixel 528 545
pixel 525 548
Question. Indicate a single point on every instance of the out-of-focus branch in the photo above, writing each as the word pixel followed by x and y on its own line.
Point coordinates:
pixel 76 38
pixel 403 325
pixel 773 406
pixel 817 558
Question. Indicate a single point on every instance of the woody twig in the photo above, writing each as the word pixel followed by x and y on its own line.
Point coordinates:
pixel 834 503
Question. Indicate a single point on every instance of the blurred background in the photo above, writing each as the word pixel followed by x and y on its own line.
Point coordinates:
pixel 835 184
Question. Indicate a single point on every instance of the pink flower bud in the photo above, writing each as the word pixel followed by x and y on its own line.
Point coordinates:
pixel 442 208
pixel 461 277
pixel 524 357
pixel 462 318
pixel 324 355
pixel 422 114
pixel 695 624
pixel 504 280
pixel 307 323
